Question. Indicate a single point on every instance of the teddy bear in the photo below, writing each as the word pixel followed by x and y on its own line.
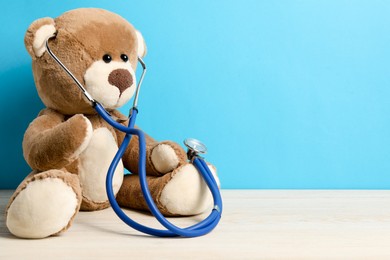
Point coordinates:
pixel 70 147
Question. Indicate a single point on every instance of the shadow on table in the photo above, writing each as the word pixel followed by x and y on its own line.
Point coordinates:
pixel 126 231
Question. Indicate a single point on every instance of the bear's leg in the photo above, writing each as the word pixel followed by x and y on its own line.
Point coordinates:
pixel 167 156
pixel 161 157
pixel 44 204
pixel 181 192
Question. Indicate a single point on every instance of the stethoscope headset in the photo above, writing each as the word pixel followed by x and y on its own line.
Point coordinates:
pixel 194 146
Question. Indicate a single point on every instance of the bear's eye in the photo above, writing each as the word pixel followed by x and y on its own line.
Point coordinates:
pixel 124 57
pixel 107 58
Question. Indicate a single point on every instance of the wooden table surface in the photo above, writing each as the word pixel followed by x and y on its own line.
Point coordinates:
pixel 256 224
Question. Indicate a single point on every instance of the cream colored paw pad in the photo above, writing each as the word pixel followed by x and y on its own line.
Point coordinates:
pixel 164 158
pixel 187 193
pixel 43 208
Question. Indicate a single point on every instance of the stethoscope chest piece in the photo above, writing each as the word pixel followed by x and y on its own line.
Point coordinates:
pixel 195 147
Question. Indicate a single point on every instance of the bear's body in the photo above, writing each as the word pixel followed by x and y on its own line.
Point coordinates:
pixel 69 147
pixel 90 160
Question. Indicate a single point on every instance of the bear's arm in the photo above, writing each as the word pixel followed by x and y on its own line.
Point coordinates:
pixel 51 142
pixel 130 157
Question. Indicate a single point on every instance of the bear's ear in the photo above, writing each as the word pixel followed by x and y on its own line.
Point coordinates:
pixel 141 52
pixel 37 34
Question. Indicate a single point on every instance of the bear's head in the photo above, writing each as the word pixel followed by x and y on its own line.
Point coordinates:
pixel 100 48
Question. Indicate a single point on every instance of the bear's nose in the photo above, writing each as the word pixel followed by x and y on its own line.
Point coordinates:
pixel 120 78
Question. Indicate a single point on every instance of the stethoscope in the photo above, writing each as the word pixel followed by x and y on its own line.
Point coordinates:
pixel 194 146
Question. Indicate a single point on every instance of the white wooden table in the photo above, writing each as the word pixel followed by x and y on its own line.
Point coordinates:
pixel 256 224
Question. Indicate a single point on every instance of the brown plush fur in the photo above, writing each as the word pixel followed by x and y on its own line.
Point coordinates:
pixel 50 143
pixel 87 36
pixel 50 128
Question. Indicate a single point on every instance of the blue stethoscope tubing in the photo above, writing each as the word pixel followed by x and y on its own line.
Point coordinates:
pixel 203 227
pixel 199 229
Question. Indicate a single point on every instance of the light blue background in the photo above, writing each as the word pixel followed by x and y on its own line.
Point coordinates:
pixel 286 94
